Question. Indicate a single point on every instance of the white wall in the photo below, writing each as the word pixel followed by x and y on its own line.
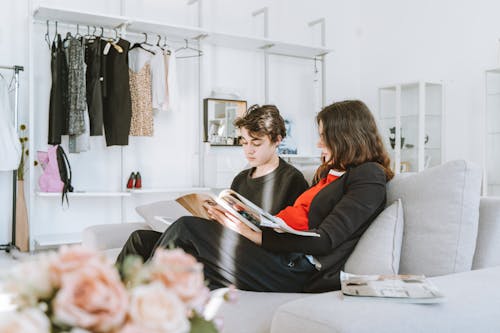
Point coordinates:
pixel 446 40
pixel 163 161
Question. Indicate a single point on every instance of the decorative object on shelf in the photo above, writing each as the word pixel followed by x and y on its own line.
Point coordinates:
pixel 134 181
pixel 138 181
pixel 22 226
pixel 288 145
pixel 79 289
pixel 219 115
pixel 392 137
pixel 405 167
pixel 131 181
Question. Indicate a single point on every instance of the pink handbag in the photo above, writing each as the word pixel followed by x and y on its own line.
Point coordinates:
pixel 50 180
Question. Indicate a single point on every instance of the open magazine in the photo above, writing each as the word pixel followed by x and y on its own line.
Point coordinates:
pixel 237 205
pixel 398 288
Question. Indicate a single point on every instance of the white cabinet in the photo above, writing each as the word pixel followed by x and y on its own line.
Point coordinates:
pixel 411 114
pixel 491 186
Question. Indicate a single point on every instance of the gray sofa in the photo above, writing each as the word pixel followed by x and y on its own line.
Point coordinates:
pixel 435 224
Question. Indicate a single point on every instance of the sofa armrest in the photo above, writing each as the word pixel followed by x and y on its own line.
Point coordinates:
pixel 487 252
pixel 109 236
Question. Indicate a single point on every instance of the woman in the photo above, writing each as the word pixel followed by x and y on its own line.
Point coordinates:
pixel 270 182
pixel 350 191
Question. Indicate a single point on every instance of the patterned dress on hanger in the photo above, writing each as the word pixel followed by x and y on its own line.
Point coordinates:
pixel 140 92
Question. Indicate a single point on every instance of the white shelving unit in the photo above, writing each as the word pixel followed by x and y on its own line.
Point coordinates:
pixel 130 24
pixel 491 179
pixel 411 114
pixel 126 25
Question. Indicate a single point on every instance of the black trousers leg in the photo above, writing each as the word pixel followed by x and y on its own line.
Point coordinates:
pixel 231 259
pixel 140 243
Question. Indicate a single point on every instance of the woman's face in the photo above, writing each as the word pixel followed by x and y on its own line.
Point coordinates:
pixel 258 150
pixel 326 154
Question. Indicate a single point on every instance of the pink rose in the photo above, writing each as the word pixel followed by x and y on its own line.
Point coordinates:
pixel 28 321
pixel 155 309
pixel 180 272
pixel 92 298
pixel 71 258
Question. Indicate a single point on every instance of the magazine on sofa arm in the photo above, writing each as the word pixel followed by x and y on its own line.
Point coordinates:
pixel 398 288
pixel 237 205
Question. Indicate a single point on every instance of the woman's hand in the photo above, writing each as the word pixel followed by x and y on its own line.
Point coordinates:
pixel 230 221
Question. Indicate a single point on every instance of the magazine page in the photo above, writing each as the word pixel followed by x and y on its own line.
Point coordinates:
pixel 402 288
pixel 194 203
pixel 258 216
pixel 242 211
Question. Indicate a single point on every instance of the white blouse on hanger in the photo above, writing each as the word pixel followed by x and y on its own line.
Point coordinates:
pixel 158 80
pixel 10 147
pixel 172 85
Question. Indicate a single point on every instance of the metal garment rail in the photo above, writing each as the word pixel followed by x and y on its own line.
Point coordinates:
pixel 9 246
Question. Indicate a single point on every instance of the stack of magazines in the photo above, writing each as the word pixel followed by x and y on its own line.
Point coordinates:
pixel 397 288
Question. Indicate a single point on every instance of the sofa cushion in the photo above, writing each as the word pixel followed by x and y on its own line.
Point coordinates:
pixel 441 211
pixel 160 214
pixel 488 238
pixel 379 249
pixel 471 305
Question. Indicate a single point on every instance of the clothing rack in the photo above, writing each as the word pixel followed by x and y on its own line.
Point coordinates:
pixel 11 245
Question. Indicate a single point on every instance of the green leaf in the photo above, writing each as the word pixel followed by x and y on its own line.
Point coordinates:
pixel 200 325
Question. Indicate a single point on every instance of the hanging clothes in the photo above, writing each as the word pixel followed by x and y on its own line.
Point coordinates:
pixel 172 91
pixel 158 80
pixel 78 128
pixel 10 147
pixel 140 92
pixel 76 86
pixel 117 107
pixel 58 105
pixel 93 53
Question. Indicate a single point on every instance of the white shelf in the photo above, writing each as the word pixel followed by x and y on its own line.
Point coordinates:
pixel 44 13
pixel 77 17
pixel 169 190
pixel 51 240
pixel 166 29
pixel 84 194
pixel 264 44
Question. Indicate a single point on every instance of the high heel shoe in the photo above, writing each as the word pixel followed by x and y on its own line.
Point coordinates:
pixel 138 180
pixel 131 180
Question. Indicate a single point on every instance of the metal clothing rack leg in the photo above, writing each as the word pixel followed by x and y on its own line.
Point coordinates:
pixel 11 245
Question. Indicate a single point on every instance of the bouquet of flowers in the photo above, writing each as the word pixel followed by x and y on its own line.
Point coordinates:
pixel 77 290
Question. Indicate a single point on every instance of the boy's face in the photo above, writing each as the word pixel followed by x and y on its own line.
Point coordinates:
pixel 258 150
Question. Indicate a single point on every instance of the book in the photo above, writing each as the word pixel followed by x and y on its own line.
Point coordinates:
pixel 396 288
pixel 240 207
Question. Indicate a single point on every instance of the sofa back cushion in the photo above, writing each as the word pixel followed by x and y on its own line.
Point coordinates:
pixel 488 238
pixel 441 212
pixel 379 249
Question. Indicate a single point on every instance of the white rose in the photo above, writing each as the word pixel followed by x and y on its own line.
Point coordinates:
pixel 31 280
pixel 31 320
pixel 153 308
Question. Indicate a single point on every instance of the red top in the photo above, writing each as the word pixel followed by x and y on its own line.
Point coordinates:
pixel 296 216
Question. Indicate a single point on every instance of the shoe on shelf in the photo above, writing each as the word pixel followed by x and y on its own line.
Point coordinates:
pixel 138 180
pixel 131 181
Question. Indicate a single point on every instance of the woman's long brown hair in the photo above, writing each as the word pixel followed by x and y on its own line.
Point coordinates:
pixel 350 133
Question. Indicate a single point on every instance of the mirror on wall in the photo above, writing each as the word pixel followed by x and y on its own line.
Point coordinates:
pixel 219 115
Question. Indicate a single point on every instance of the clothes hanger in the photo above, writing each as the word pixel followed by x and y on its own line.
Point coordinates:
pixel 112 42
pixel 166 46
pixel 188 48
pixel 78 35
pixel 140 45
pixel 158 42
pixel 47 37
